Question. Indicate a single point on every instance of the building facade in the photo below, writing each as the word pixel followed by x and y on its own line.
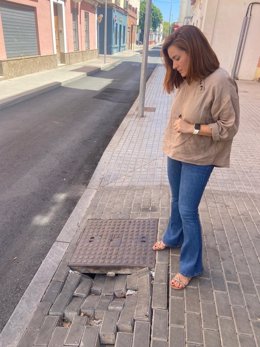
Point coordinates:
pixel 116 30
pixel 131 26
pixel 232 28
pixel 37 35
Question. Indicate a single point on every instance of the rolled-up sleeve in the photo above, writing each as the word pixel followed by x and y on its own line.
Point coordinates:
pixel 225 112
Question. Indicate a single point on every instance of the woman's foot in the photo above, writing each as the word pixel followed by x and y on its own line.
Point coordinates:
pixel 180 282
pixel 159 246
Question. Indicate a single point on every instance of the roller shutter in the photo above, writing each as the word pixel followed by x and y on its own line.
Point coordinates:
pixel 19 27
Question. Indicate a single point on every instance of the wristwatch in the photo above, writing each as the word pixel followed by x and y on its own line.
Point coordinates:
pixel 196 129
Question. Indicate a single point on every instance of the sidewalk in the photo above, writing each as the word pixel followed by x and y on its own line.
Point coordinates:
pixel 21 88
pixel 221 308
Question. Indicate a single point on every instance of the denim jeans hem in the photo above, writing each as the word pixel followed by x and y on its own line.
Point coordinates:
pixel 172 246
pixel 195 275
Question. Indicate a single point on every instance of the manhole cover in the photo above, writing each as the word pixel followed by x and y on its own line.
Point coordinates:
pixel 120 246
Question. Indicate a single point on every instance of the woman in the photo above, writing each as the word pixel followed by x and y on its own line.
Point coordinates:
pixel 204 119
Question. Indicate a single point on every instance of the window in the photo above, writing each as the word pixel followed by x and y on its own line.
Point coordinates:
pixel 75 29
pixel 87 46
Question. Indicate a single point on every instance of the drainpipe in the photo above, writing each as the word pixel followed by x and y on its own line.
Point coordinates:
pixel 242 40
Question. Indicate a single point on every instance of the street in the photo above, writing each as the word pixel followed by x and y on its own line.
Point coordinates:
pixel 50 146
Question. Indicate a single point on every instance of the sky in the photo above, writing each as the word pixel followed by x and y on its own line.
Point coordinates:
pixel 169 8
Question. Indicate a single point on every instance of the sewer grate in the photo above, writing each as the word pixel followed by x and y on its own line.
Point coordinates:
pixel 115 245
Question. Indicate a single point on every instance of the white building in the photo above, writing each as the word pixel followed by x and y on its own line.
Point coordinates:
pixel 222 21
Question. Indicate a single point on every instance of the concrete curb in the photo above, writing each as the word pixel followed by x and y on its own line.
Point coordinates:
pixel 13 100
pixel 23 313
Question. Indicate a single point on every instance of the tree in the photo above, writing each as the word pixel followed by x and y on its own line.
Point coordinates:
pixel 156 16
pixel 166 29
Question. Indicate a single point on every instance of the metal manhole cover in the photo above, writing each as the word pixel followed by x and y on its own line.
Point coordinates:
pixel 120 246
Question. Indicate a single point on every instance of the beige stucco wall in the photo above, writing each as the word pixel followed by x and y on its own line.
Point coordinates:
pixel 221 22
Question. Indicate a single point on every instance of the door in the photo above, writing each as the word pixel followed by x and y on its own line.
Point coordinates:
pixel 87 45
pixel 57 34
pixel 120 37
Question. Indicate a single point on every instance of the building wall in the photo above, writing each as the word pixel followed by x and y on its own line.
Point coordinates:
pixel 2 46
pixel 85 7
pixel 185 12
pixel 221 22
pixel 115 16
pixel 132 26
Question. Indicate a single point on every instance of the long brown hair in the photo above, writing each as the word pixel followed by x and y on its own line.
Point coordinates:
pixel 203 60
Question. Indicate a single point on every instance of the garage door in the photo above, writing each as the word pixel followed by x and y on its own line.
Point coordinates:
pixel 19 27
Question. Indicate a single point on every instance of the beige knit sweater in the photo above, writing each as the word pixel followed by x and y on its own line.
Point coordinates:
pixel 213 101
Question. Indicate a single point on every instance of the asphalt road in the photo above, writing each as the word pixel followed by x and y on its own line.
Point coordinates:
pixel 49 148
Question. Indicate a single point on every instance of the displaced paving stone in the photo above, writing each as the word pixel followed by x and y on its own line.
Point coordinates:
pixel 117 304
pixel 120 286
pixel 160 296
pixel 73 309
pixel 102 306
pixel 109 286
pixel 90 337
pixel 143 306
pixel 161 273
pixel 76 331
pixel 84 287
pixel 45 333
pixel 108 329
pixel 163 256
pixel 131 282
pixel 141 336
pixel 126 319
pixel 90 304
pixel 58 337
pixel 160 325
pixel 52 292
pixel 124 340
pixel 98 284
pixel 66 294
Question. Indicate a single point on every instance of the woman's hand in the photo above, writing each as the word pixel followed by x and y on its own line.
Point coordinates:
pixel 181 126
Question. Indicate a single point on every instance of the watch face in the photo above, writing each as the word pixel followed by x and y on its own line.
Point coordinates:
pixel 197 126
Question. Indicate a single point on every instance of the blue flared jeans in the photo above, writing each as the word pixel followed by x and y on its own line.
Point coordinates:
pixel 187 182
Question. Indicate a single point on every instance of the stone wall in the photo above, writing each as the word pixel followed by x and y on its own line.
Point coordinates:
pixel 26 65
pixel 79 56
